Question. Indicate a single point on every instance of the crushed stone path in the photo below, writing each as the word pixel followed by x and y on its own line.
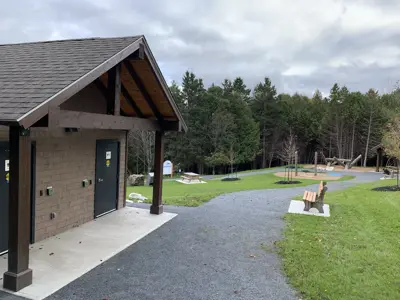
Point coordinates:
pixel 221 250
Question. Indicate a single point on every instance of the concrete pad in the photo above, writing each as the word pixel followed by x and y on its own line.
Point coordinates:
pixel 191 182
pixel 63 258
pixel 297 207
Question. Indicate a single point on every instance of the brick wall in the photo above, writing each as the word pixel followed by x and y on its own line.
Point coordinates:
pixel 63 160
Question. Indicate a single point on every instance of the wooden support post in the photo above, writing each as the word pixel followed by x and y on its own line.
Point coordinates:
pixel 54 117
pixel 19 275
pixel 316 162
pixel 296 161
pixel 114 90
pixel 157 207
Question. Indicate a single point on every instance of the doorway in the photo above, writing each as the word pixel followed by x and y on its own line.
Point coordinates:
pixel 107 177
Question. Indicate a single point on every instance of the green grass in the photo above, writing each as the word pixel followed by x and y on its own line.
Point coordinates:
pixel 354 254
pixel 175 193
pixel 219 176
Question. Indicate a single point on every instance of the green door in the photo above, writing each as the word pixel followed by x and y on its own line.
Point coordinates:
pixel 107 178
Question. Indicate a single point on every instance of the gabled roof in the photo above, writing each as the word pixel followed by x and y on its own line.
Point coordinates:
pixel 33 75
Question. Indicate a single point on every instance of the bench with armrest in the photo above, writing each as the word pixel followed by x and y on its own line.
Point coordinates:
pixel 315 199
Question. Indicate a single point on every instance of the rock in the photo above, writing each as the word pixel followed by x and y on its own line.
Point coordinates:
pixel 135 180
pixel 135 196
pixel 150 178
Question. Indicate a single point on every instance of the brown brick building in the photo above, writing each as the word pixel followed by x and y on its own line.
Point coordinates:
pixel 65 110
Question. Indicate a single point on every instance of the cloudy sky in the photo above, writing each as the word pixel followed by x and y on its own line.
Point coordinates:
pixel 300 44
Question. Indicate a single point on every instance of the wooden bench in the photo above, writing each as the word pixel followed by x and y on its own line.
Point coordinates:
pixel 315 199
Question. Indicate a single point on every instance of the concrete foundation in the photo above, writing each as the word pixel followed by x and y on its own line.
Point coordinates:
pixel 63 258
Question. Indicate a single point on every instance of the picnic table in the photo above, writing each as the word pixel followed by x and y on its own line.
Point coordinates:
pixel 190 176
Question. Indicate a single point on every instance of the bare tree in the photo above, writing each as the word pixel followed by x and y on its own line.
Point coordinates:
pixel 391 141
pixel 368 137
pixel 143 143
pixel 289 148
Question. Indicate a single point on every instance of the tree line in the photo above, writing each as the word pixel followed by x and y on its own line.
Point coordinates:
pixel 234 127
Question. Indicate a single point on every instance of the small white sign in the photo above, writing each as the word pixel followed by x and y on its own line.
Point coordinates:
pixel 167 168
pixel 108 155
pixel 7 165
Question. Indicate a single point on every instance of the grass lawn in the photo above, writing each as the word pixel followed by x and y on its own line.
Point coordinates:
pixel 175 193
pixel 354 254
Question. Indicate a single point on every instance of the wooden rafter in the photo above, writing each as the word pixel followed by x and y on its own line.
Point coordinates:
pixel 114 91
pixel 36 114
pixel 131 102
pixel 142 89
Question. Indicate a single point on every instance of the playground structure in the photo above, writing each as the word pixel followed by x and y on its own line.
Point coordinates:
pixel 291 173
pixel 392 168
pixel 346 163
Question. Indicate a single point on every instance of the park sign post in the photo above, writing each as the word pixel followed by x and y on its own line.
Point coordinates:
pixel 168 168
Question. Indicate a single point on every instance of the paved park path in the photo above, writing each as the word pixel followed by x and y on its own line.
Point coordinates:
pixel 220 250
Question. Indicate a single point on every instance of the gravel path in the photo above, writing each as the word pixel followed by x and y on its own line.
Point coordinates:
pixel 221 250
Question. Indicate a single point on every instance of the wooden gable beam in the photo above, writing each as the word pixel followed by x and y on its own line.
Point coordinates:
pixel 104 91
pixel 77 119
pixel 124 92
pixel 138 54
pixel 142 89
pixel 114 91
pixel 41 110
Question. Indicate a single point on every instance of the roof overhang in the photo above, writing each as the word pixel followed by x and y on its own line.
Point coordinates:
pixel 41 110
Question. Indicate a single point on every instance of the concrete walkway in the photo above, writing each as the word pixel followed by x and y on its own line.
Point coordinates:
pixel 221 250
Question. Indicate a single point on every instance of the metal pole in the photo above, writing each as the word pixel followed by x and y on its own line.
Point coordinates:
pixel 316 160
pixel 296 158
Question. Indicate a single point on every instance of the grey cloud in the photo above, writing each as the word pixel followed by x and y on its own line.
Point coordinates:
pixel 180 43
pixel 355 78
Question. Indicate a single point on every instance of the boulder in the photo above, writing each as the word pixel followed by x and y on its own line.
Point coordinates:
pixel 138 197
pixel 150 178
pixel 135 180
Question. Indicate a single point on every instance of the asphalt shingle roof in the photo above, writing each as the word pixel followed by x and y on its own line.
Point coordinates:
pixel 30 73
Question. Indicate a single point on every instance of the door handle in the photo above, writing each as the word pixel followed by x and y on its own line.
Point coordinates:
pixel 100 180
